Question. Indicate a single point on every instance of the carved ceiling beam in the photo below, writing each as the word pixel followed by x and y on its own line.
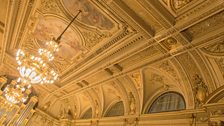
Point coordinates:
pixel 114 56
pixel 11 15
pixel 139 65
pixel 159 12
pixel 132 17
pixel 198 14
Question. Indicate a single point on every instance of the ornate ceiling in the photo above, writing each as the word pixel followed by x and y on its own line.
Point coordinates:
pixel 117 49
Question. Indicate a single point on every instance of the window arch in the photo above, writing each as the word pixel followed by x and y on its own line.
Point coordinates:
pixel 87 114
pixel 116 110
pixel 170 101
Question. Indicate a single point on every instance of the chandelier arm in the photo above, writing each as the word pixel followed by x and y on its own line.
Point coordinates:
pixel 59 37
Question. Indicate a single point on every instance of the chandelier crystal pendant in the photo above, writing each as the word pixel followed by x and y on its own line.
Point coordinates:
pixel 16 93
pixel 48 52
pixel 36 69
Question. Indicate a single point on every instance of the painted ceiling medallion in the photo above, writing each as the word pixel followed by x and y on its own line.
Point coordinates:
pixel 90 14
pixel 35 69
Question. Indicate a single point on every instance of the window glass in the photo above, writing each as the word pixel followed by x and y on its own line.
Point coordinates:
pixel 87 114
pixel 170 101
pixel 116 110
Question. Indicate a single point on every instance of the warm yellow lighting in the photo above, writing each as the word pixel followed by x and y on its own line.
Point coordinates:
pixel 48 52
pixel 16 93
pixel 34 69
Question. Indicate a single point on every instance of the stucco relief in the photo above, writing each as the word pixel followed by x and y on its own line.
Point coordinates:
pixel 216 49
pixel 137 78
pixel 200 90
pixel 93 38
pixel 189 65
pixel 220 63
pixel 131 121
pixel 166 66
pixel 90 14
pixel 49 6
pixel 175 5
pixel 208 25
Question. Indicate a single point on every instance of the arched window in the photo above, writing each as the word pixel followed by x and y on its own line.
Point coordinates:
pixel 167 102
pixel 87 114
pixel 116 110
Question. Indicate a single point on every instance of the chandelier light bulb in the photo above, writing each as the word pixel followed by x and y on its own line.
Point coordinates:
pixel 16 93
pixel 34 69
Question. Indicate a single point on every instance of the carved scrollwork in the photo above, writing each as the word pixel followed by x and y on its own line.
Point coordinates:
pixel 208 25
pixel 93 38
pixel 49 6
pixel 166 66
pixel 216 49
pixel 132 104
pixel 176 5
pixel 131 121
pixel 200 90
pixel 136 77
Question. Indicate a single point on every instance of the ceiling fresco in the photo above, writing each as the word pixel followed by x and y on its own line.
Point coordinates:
pixel 115 48
pixel 71 43
pixel 90 15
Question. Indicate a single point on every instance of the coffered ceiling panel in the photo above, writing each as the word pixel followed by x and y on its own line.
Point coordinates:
pixel 116 50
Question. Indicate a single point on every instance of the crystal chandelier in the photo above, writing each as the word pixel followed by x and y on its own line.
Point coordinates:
pixel 36 69
pixel 33 69
pixel 16 93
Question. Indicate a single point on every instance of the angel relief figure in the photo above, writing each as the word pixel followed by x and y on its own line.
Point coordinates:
pixel 200 90
pixel 132 103
pixel 97 109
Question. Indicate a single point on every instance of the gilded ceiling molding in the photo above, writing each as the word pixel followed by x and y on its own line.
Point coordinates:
pixel 30 44
pixel 208 25
pixel 158 93
pixel 134 94
pixel 167 67
pixel 201 6
pixel 95 103
pixel 120 85
pixel 197 16
pixel 215 96
pixel 111 104
pixel 72 82
pixel 97 107
pixel 131 121
pixel 41 118
pixel 123 34
pixel 137 79
pixel 184 82
pixel 176 71
pixel 13 7
pixel 178 7
pixel 215 50
pixel 84 111
pixel 172 45
pixel 159 13
pixel 22 29
pixel 50 6
pixel 129 15
pixel 176 4
pixel 191 67
pixel 205 71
